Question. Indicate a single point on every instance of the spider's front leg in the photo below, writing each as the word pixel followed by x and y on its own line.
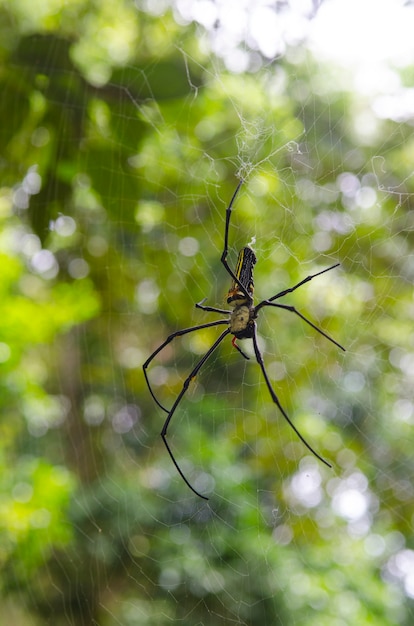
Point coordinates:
pixel 178 333
pixel 185 386
pixel 275 399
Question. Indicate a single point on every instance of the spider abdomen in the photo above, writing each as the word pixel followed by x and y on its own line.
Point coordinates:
pixel 243 272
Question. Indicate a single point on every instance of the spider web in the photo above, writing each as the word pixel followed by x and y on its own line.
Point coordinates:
pixel 328 175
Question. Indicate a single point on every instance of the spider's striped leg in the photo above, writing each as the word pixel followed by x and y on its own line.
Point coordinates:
pixel 305 319
pixel 275 399
pixel 178 333
pixel 186 384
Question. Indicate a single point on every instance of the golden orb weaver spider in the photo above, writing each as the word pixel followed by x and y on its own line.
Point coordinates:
pixel 241 323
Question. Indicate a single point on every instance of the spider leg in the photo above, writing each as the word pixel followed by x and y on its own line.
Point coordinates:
pixel 305 319
pixel 275 399
pixel 234 344
pixel 186 384
pixel 226 243
pixel 290 289
pixel 228 216
pixel 178 333
pixel 213 309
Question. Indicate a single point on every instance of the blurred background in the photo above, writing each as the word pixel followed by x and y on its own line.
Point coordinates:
pixel 124 129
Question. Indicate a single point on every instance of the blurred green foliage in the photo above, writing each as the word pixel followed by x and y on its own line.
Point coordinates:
pixel 120 144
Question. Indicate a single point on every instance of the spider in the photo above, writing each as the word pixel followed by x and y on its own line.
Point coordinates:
pixel 241 323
